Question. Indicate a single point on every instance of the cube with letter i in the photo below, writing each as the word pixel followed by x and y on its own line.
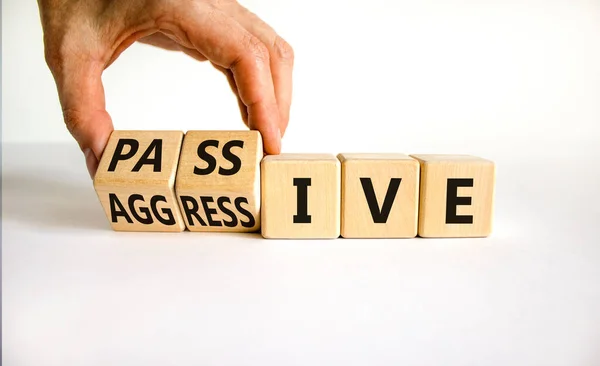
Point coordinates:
pixel 135 181
pixel 218 180
pixel 380 195
pixel 457 195
pixel 301 196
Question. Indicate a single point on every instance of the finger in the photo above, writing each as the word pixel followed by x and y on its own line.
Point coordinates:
pixel 231 80
pixel 82 99
pixel 282 58
pixel 226 43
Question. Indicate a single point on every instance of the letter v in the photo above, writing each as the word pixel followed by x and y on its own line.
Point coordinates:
pixel 380 216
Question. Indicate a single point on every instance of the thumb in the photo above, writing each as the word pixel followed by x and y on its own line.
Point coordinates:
pixel 81 95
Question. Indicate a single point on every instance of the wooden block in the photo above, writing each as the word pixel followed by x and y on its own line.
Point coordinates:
pixel 457 196
pixel 218 180
pixel 380 195
pixel 301 196
pixel 135 181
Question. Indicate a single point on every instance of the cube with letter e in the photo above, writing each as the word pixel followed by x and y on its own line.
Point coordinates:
pixel 218 180
pixel 456 196
pixel 135 181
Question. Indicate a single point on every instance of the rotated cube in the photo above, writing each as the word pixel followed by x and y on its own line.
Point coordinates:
pixel 218 180
pixel 135 181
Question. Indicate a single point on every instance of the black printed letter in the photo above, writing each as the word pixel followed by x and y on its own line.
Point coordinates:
pixel 234 159
pixel 221 203
pixel 147 219
pixel 202 154
pixel 156 146
pixel 114 201
pixel 380 216
pixel 209 211
pixel 191 212
pixel 452 200
pixel 302 216
pixel 238 204
pixel 170 220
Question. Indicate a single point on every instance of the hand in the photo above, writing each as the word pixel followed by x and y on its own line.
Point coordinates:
pixel 84 37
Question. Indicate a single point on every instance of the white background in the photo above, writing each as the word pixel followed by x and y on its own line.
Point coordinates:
pixel 404 76
pixel 514 81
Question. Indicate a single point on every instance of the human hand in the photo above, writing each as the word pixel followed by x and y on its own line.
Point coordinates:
pixel 84 37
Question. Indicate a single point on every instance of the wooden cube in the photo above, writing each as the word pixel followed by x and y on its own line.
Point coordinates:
pixel 135 181
pixel 218 180
pixel 457 196
pixel 301 196
pixel 380 195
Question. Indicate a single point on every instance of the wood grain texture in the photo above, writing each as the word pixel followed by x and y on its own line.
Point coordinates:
pixel 218 181
pixel 135 181
pixel 380 195
pixel 456 196
pixel 285 179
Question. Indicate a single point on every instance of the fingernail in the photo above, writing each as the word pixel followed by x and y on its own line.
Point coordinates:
pixel 91 162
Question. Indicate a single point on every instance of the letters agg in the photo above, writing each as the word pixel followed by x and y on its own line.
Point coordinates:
pixel 219 181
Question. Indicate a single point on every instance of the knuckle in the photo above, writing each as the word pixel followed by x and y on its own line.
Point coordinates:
pixel 158 12
pixel 61 53
pixel 283 50
pixel 52 56
pixel 257 49
pixel 52 59
pixel 73 120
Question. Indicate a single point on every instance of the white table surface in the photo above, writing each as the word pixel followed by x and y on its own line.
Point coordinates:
pixel 76 293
